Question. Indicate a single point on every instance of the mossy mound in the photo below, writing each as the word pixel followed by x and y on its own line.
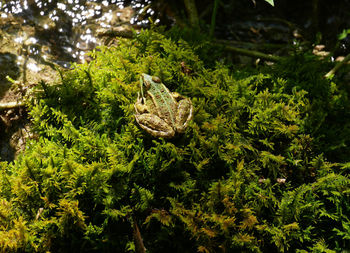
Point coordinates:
pixel 244 176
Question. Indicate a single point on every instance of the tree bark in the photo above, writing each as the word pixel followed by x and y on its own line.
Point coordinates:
pixel 192 13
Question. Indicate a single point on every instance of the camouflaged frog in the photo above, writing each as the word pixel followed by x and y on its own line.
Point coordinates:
pixel 160 112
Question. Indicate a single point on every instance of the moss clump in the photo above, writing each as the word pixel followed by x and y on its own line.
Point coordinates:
pixel 244 176
pixel 328 112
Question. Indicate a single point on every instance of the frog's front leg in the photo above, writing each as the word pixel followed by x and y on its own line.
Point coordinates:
pixel 154 125
pixel 184 112
pixel 140 105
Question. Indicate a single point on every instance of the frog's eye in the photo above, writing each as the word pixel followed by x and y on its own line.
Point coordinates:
pixel 155 79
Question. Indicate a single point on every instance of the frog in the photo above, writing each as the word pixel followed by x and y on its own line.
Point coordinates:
pixel 160 112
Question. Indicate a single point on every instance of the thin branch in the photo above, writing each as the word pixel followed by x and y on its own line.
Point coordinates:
pixel 139 246
pixel 331 73
pixel 10 105
pixel 252 53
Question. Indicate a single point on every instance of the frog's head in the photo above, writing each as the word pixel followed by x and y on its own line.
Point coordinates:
pixel 147 81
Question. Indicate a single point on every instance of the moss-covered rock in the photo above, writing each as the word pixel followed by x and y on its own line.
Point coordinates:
pixel 244 176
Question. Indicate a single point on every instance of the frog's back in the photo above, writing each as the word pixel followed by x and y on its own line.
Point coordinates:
pixel 165 103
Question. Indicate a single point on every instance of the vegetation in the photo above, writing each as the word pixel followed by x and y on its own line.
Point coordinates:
pixel 255 170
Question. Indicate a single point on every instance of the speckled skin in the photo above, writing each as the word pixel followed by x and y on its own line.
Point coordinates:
pixel 160 112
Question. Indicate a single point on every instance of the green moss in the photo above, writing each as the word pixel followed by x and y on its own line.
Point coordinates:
pixel 328 113
pixel 244 176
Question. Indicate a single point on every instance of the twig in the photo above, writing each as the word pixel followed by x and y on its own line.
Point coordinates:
pixel 252 53
pixel 331 73
pixel 10 105
pixel 139 246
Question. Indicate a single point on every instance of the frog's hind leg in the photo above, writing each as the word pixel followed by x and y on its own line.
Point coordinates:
pixel 184 114
pixel 154 125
